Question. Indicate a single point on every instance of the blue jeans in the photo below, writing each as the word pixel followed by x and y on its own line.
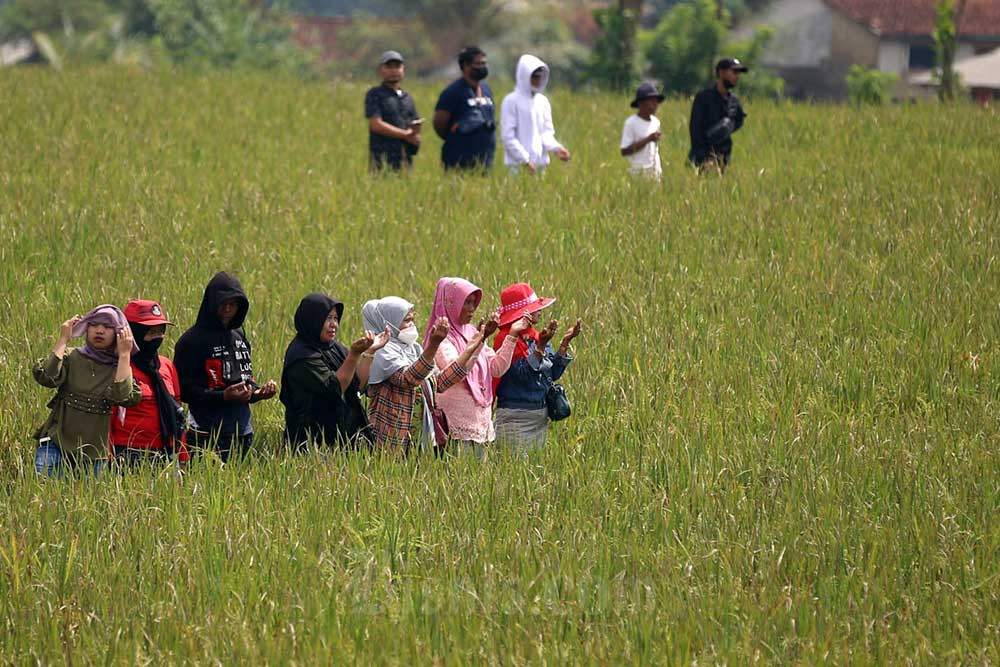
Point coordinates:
pixel 51 462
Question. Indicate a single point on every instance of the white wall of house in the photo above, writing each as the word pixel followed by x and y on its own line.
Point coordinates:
pixel 894 56
pixel 802 30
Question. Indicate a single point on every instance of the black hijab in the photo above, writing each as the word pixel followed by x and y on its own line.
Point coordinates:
pixel 147 360
pixel 309 320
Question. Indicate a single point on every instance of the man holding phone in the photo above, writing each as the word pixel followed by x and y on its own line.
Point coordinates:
pixel 393 121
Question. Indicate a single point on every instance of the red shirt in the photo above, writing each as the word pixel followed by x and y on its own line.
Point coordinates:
pixel 139 426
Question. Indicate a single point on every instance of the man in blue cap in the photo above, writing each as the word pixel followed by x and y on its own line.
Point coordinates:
pixel 715 114
pixel 393 121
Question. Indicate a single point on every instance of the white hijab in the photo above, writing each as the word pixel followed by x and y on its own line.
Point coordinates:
pixel 378 314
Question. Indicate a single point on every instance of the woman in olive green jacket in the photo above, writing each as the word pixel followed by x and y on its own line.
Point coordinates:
pixel 90 381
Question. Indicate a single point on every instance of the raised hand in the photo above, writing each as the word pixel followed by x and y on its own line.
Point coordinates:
pixel 124 342
pixel 362 344
pixel 440 331
pixel 492 324
pixel 572 333
pixel 380 340
pixel 546 334
pixel 519 326
pixel 66 329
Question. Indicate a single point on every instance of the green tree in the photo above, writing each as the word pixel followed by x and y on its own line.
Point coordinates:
pixel 945 37
pixel 869 86
pixel 614 62
pixel 682 49
pixel 227 33
pixel 760 81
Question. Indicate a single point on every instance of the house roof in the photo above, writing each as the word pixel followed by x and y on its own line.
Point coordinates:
pixel 975 72
pixel 979 18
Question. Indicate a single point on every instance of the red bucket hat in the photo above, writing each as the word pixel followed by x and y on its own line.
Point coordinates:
pixel 148 313
pixel 518 300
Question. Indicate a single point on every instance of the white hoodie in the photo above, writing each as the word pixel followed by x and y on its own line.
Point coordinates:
pixel 526 128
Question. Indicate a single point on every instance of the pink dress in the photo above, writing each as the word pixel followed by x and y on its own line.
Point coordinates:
pixel 466 420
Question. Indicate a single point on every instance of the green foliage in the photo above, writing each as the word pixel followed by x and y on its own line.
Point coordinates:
pixel 197 33
pixel 369 36
pixel 759 81
pixel 228 34
pixel 683 48
pixel 869 86
pixel 542 31
pixel 614 62
pixel 783 448
pixel 945 36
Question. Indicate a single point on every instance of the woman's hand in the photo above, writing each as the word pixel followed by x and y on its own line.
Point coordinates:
pixel 520 325
pixel 380 340
pixel 66 329
pixel 492 324
pixel 573 332
pixel 439 332
pixel 124 342
pixel 362 344
pixel 546 334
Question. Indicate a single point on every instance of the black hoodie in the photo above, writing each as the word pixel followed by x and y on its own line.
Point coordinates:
pixel 210 357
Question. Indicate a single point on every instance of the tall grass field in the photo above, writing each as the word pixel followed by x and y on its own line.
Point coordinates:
pixel 784 446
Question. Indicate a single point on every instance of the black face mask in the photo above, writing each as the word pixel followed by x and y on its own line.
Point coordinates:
pixel 728 84
pixel 147 349
pixel 480 73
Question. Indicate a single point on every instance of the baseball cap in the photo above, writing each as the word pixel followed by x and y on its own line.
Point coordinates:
pixel 730 63
pixel 149 313
pixel 389 56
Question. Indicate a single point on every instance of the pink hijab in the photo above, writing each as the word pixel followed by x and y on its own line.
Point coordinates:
pixel 449 297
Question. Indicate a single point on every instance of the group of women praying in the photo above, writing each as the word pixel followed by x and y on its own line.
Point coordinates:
pixel 118 400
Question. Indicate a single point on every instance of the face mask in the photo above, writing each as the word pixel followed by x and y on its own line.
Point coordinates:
pixel 480 73
pixel 147 348
pixel 536 89
pixel 408 336
pixel 728 84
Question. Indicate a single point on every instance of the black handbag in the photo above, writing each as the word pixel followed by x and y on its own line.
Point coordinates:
pixel 557 403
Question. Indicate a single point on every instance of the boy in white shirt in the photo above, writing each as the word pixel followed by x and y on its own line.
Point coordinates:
pixel 641 132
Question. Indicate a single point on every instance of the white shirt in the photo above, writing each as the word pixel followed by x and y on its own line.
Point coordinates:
pixel 647 159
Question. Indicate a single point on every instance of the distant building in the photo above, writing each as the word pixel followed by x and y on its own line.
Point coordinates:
pixel 817 41
pixel 980 74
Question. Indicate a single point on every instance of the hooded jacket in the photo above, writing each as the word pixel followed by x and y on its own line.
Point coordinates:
pixel 210 357
pixel 526 128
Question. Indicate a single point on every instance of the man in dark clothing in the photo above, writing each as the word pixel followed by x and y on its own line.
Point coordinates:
pixel 715 114
pixel 465 116
pixel 393 122
pixel 215 373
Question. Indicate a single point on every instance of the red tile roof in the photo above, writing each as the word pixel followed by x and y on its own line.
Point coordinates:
pixel 979 18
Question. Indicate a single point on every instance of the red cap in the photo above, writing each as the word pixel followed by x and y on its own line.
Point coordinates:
pixel 518 300
pixel 149 313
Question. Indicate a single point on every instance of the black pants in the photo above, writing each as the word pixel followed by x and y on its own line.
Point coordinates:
pixel 226 445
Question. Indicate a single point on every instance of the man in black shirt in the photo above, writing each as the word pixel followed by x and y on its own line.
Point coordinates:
pixel 715 114
pixel 393 122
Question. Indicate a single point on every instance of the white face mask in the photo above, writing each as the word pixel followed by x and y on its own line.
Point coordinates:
pixel 408 336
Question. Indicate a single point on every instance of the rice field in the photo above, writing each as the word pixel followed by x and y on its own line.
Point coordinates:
pixel 784 446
